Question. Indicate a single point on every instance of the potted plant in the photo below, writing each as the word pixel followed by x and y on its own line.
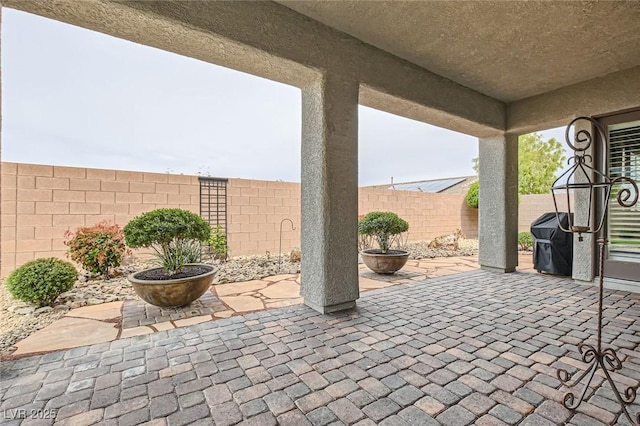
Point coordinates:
pixel 384 228
pixel 176 237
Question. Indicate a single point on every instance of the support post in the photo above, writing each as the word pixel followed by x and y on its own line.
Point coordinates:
pixel 329 234
pixel 498 215
pixel 584 252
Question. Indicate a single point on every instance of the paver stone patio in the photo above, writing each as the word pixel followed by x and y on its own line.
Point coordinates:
pixel 470 348
pixel 136 318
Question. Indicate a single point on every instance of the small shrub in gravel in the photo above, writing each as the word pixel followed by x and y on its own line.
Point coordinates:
pixel 218 243
pixel 97 248
pixel 525 241
pixel 41 281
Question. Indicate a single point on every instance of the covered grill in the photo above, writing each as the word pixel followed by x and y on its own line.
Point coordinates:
pixel 553 248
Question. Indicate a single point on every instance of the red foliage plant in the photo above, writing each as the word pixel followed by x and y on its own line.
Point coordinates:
pixel 97 248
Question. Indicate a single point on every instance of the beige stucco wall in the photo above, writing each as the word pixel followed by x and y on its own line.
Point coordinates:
pixel 40 202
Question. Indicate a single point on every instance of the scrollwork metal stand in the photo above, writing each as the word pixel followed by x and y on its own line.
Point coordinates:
pixel 596 357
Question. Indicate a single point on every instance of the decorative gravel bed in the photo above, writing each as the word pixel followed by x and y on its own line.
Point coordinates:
pixel 20 320
pixel 421 249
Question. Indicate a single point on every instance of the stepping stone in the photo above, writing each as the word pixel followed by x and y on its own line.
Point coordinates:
pixel 283 303
pixel 67 333
pixel 161 326
pixel 135 331
pixel 98 312
pixel 192 320
pixel 239 288
pixel 419 278
pixel 281 277
pixel 442 272
pixel 243 303
pixel 367 283
pixel 282 290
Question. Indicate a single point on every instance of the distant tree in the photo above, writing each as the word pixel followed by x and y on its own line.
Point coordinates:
pixel 538 162
pixel 473 195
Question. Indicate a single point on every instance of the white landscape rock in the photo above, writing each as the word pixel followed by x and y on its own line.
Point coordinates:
pixel 43 310
pixel 25 311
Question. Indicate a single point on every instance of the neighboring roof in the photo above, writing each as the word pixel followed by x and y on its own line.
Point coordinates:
pixel 453 185
pixel 427 185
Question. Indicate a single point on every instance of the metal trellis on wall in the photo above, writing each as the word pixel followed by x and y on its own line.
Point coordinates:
pixel 213 202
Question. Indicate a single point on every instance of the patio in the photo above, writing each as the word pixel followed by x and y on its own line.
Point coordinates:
pixel 475 347
pixel 107 322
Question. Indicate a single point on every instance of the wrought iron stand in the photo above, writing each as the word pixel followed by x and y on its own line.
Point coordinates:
pixel 605 359
pixel 594 186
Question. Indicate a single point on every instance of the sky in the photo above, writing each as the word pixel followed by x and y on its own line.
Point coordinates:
pixel 73 97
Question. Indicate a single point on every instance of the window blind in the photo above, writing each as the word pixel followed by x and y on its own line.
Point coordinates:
pixel 624 223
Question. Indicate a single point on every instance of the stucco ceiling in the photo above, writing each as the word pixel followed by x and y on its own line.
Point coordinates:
pixel 507 50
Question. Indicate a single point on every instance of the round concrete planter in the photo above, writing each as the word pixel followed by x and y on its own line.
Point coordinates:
pixel 384 263
pixel 176 292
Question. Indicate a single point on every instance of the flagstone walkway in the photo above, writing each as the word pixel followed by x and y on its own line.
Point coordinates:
pixel 120 320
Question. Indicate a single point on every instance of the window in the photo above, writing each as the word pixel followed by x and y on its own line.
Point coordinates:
pixel 624 223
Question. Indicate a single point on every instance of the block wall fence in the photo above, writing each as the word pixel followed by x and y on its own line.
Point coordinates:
pixel 41 202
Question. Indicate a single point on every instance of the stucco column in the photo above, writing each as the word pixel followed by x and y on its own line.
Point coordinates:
pixel 498 215
pixel 1 14
pixel 585 251
pixel 329 234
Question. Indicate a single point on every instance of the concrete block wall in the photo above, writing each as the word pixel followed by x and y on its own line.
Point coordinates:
pixel 533 206
pixel 255 211
pixel 41 202
pixel 429 215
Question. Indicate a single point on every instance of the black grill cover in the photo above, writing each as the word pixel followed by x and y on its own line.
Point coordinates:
pixel 553 248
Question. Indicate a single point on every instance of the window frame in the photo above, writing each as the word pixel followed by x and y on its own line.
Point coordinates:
pixel 616 269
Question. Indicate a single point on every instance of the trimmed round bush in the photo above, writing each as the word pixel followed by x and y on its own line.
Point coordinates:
pixel 174 234
pixel 162 226
pixel 473 195
pixel 382 226
pixel 41 281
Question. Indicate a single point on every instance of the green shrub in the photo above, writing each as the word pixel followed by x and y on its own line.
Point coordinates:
pixel 218 243
pixel 97 248
pixel 174 234
pixel 473 195
pixel 41 281
pixel 383 227
pixel 525 240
